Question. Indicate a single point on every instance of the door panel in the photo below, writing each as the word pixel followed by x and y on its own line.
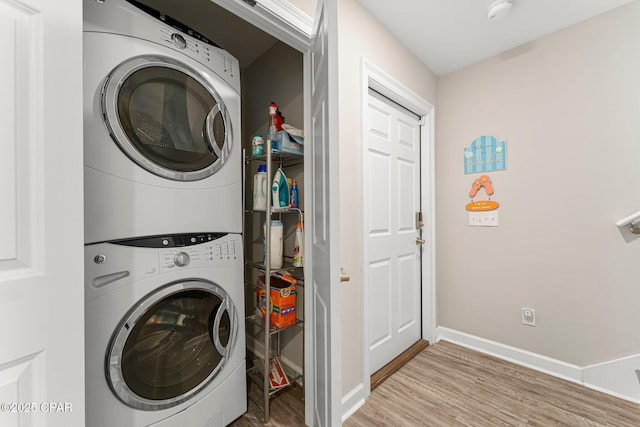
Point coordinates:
pixel 322 353
pixel 392 280
pixel 379 206
pixel 41 304
pixel 380 274
pixel 407 185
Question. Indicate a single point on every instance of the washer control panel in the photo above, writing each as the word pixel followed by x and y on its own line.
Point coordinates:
pixel 111 265
pixel 178 251
pixel 215 252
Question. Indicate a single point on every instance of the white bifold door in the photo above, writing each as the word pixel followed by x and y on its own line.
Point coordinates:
pixel 392 233
pixel 41 241
pixel 322 332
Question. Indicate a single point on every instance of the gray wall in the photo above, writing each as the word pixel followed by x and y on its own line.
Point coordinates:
pixel 276 76
pixel 569 107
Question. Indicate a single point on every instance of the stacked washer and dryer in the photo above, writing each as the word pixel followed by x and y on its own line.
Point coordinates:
pixel 164 298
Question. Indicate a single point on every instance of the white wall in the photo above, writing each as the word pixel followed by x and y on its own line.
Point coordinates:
pixel 360 35
pixel 569 107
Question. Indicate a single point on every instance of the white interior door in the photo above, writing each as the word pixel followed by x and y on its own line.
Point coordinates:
pixel 393 255
pixel 322 332
pixel 41 242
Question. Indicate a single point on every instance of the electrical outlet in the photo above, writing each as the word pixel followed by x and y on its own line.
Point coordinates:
pixel 528 316
pixel 484 219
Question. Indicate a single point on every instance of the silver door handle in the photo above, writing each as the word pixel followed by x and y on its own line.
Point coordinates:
pixel 344 277
pixel 420 241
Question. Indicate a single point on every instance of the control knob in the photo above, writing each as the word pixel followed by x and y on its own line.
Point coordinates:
pixel 181 259
pixel 178 40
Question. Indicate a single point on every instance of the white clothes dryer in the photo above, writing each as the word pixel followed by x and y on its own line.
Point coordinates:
pixel 165 335
pixel 162 150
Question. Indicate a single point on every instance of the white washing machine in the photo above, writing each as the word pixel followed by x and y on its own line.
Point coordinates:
pixel 165 335
pixel 162 150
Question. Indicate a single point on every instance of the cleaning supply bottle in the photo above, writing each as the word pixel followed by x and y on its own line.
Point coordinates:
pixel 260 189
pixel 275 246
pixel 272 130
pixel 298 250
pixel 279 190
pixel 257 145
pixel 294 195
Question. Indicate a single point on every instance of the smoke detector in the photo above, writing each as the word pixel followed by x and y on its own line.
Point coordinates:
pixel 499 9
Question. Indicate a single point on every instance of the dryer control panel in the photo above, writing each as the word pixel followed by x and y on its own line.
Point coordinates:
pixel 135 19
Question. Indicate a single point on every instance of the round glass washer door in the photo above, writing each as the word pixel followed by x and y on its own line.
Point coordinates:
pixel 171 345
pixel 167 118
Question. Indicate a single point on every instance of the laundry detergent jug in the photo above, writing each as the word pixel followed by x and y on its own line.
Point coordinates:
pixel 260 189
pixel 280 190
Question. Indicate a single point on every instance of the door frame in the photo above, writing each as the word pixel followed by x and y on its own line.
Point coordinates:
pixel 374 77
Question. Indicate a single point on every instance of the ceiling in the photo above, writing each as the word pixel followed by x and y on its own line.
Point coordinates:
pixel 448 35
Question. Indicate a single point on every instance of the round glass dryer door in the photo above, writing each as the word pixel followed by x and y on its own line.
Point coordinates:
pixel 172 345
pixel 167 117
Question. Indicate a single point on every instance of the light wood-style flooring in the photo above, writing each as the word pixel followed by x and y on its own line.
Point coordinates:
pixel 287 410
pixel 448 385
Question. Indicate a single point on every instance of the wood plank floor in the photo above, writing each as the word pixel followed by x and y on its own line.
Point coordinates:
pixel 287 410
pixel 448 385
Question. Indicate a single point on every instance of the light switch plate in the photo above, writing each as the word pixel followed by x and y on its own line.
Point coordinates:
pixel 484 219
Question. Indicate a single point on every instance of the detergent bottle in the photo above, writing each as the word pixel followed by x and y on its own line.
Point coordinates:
pixel 275 246
pixel 298 250
pixel 280 190
pixel 260 189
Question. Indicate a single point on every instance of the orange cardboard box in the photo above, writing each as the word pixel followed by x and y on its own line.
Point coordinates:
pixel 283 301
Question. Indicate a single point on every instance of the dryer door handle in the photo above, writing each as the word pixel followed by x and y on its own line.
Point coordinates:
pixel 210 134
pixel 215 333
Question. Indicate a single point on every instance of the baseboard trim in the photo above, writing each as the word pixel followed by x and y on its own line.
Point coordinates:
pixel 516 355
pixel 616 378
pixel 352 401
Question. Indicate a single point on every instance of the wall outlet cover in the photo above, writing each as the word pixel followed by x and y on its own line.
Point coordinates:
pixel 484 219
pixel 528 316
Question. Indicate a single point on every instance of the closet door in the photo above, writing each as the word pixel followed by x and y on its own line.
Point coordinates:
pixel 41 241
pixel 323 359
